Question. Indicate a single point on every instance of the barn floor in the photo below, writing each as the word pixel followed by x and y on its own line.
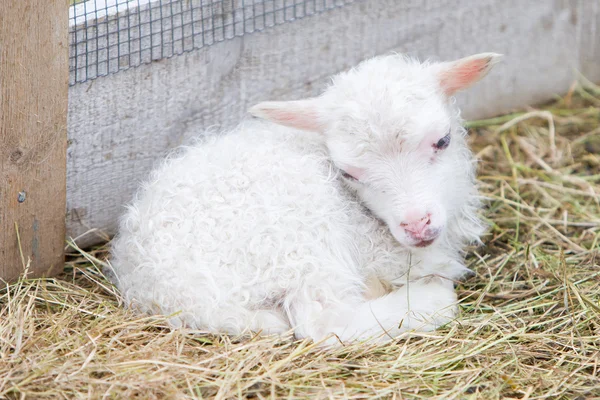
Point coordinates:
pixel 529 329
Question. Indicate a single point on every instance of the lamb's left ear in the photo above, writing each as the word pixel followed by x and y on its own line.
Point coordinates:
pixel 306 114
pixel 460 74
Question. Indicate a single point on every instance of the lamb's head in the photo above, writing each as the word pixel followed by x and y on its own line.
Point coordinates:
pixel 392 129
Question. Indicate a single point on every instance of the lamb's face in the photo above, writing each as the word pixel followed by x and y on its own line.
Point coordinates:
pixel 400 146
pixel 393 132
pixel 412 171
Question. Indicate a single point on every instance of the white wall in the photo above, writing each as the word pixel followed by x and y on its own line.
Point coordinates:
pixel 122 124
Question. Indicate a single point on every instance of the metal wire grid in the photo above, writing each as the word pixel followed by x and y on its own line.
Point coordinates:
pixel 107 36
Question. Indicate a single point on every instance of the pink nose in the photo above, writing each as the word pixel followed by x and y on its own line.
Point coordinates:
pixel 417 227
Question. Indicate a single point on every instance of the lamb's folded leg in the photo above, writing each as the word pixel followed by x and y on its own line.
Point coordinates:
pixel 422 305
pixel 268 322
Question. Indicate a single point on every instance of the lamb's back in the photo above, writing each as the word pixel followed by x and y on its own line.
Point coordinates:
pixel 241 216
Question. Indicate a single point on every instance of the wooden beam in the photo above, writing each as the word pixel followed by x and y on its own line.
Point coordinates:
pixel 33 138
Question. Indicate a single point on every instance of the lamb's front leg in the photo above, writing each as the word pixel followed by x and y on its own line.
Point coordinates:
pixel 421 305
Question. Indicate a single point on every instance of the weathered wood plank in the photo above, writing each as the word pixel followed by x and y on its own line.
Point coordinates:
pixel 33 121
pixel 121 125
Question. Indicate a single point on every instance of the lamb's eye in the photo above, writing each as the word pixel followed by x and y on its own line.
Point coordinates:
pixel 348 176
pixel 443 142
pixel 350 173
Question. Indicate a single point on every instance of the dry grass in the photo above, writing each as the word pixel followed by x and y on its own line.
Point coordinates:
pixel 529 327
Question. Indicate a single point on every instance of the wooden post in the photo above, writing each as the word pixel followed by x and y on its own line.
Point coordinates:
pixel 33 122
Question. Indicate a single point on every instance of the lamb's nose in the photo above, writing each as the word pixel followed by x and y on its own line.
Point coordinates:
pixel 416 227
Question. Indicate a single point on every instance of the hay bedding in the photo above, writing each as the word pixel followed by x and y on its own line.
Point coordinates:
pixel 529 327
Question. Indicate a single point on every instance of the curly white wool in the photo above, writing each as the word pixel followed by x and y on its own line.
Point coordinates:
pixel 257 229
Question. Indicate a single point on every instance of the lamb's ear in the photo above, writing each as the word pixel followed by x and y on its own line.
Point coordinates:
pixel 306 114
pixel 460 74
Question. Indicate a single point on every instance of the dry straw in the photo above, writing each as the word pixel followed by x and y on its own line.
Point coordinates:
pixel 529 325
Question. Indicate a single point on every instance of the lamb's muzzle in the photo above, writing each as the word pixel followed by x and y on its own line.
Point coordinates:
pixel 420 230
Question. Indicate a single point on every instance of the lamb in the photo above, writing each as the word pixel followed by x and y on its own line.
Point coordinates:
pixel 342 217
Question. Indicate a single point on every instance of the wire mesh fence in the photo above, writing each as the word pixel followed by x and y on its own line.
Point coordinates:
pixel 107 36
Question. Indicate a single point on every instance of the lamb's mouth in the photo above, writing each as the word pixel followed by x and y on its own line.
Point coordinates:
pixel 424 243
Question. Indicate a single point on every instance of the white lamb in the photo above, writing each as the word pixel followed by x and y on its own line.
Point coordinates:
pixel 348 218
